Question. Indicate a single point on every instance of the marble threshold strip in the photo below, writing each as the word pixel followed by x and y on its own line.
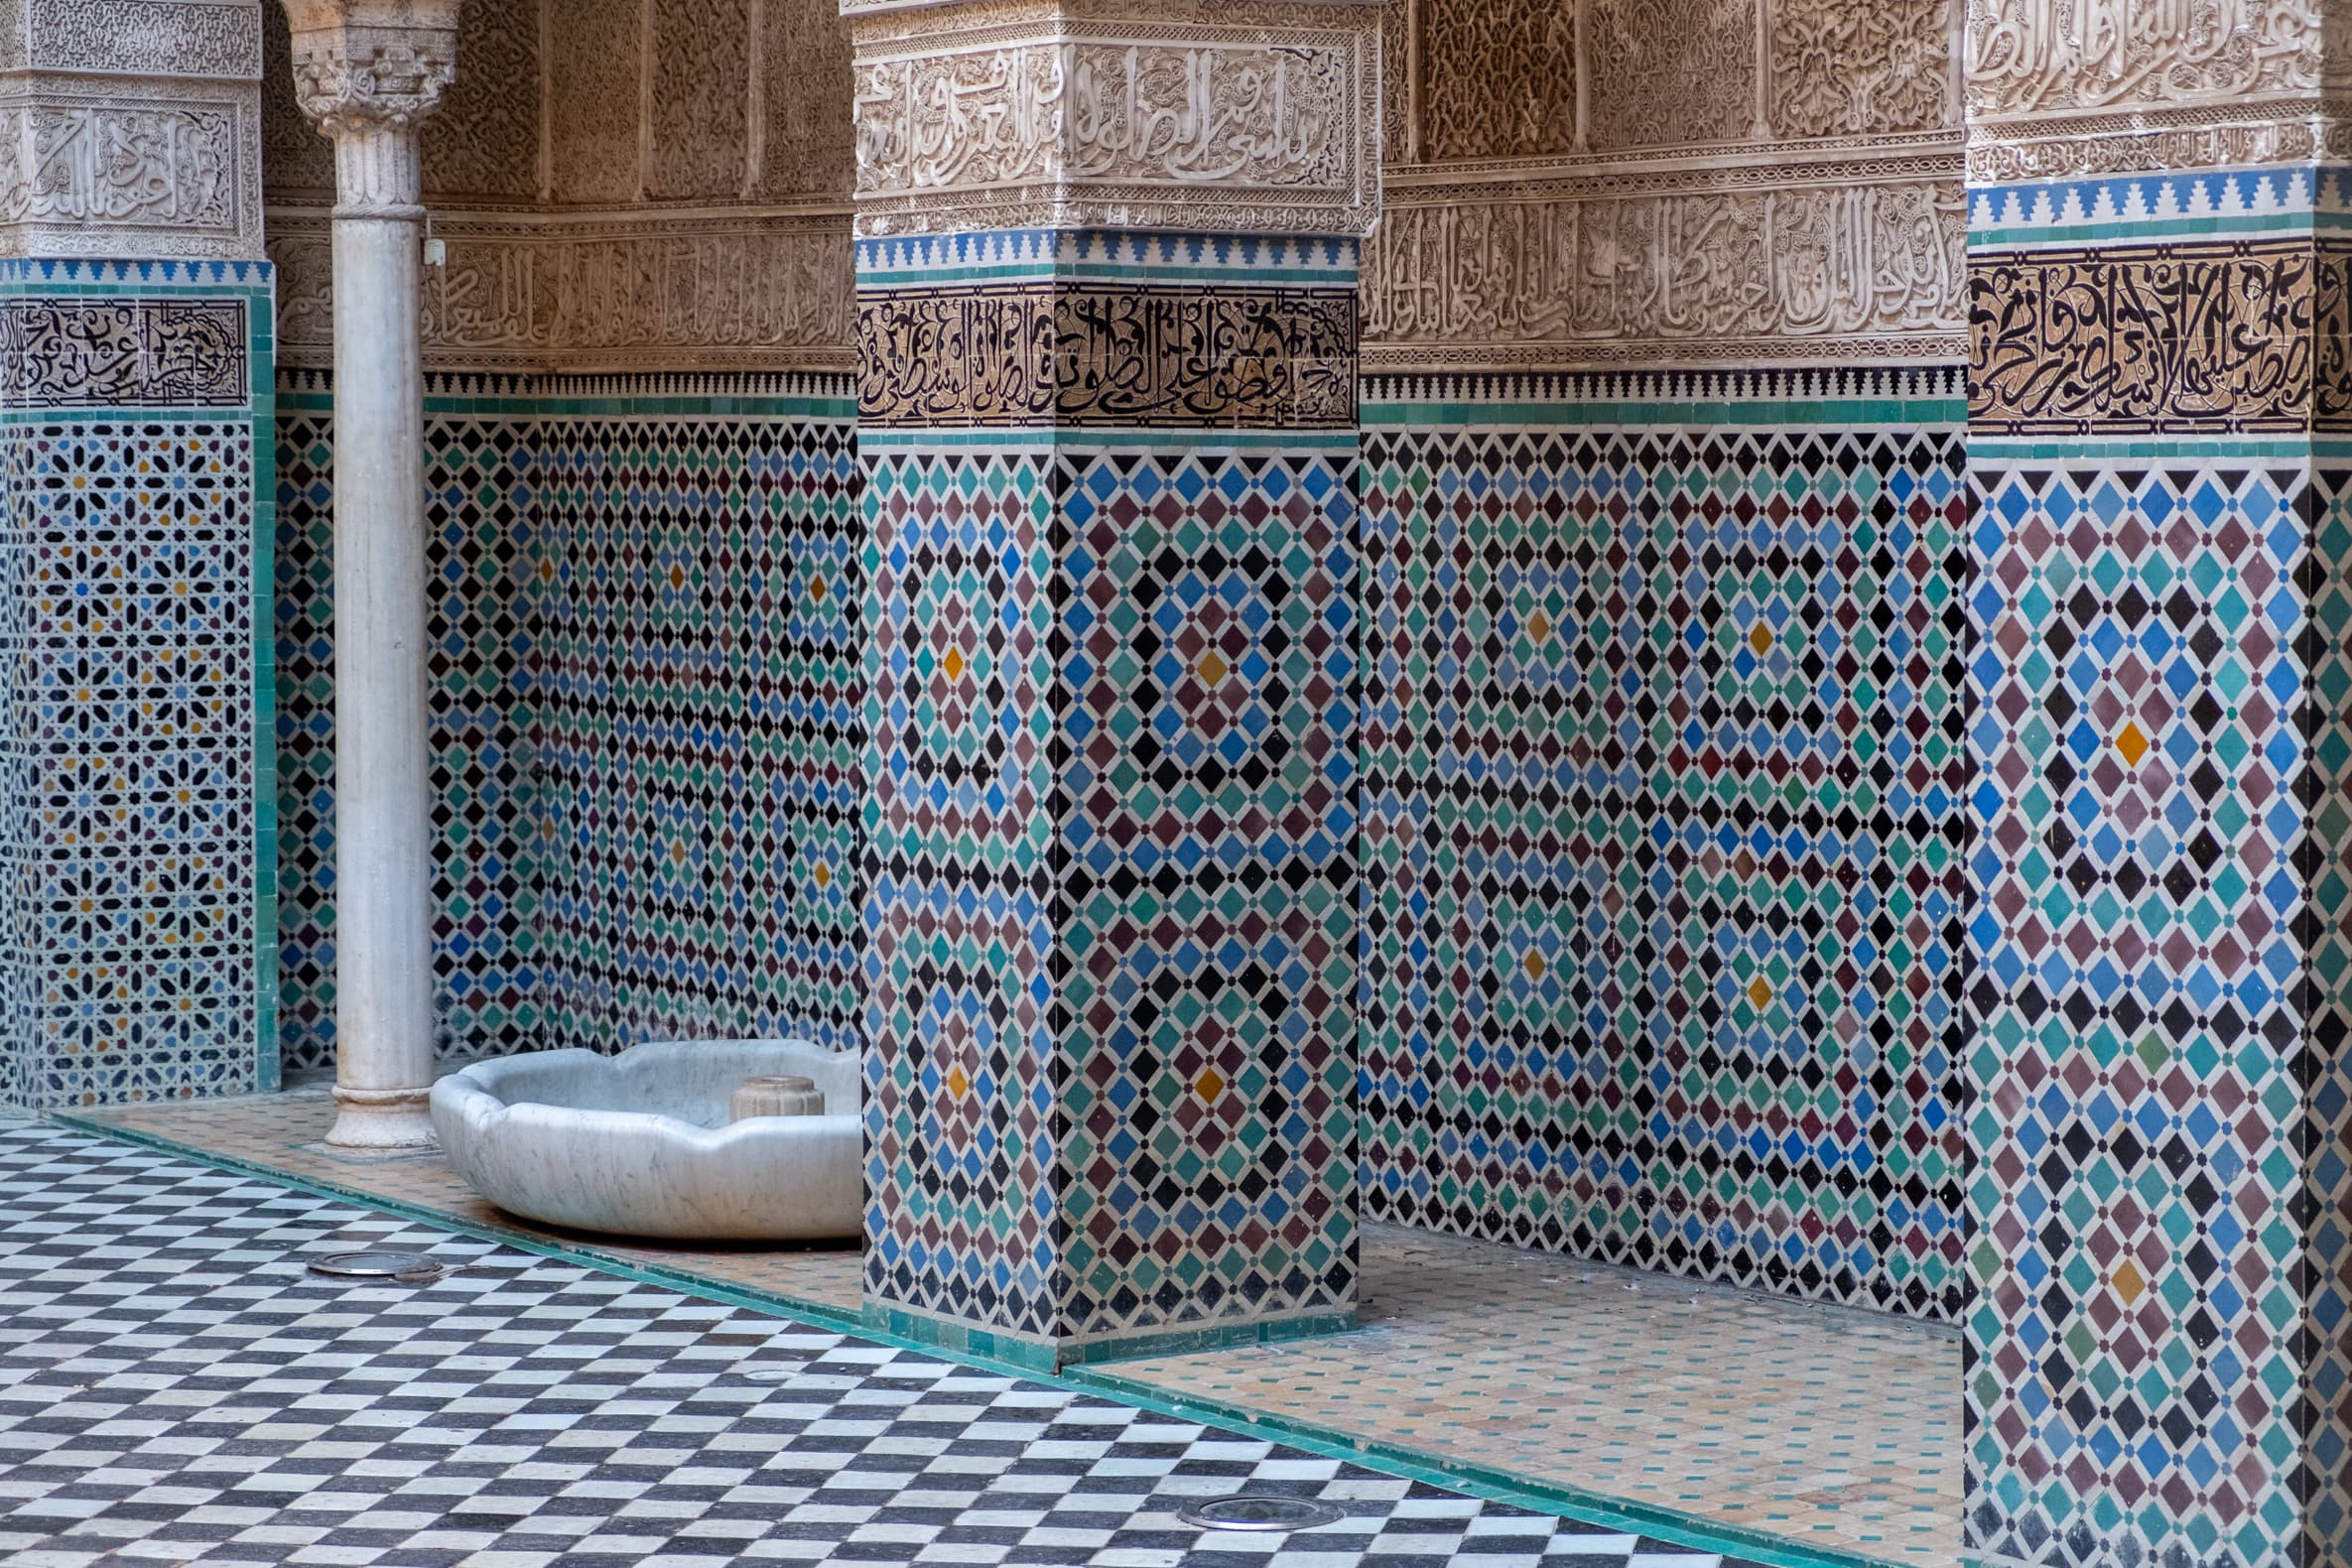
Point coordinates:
pixel 1414 1464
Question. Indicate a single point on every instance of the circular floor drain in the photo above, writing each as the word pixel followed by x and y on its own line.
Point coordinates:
pixel 1257 1512
pixel 409 1268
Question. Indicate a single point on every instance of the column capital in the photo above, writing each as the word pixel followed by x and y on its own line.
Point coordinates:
pixel 1259 118
pixel 372 64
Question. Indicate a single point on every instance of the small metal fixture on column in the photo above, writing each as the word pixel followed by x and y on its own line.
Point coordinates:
pixel 367 72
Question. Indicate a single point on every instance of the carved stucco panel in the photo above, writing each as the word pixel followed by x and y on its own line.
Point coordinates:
pixel 700 96
pixel 484 140
pixel 1668 72
pixel 296 160
pixel 1842 68
pixel 146 38
pixel 805 97
pixel 1502 281
pixel 597 55
pixel 1497 81
pixel 2028 57
pixel 1002 117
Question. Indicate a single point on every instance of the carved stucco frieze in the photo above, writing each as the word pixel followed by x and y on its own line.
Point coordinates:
pixel 1664 72
pixel 981 116
pixel 2059 88
pixel 582 295
pixel 1832 270
pixel 130 128
pixel 1841 68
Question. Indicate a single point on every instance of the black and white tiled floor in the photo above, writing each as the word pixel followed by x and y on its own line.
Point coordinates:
pixel 175 1387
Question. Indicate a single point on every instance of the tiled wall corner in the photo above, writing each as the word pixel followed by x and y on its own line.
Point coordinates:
pixel 135 678
pixel 1664 835
pixel 644 607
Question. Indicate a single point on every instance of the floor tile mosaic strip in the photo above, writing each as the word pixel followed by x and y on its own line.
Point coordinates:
pixel 1665 933
pixel 1825 1426
pixel 175 1386
pixel 1494 1365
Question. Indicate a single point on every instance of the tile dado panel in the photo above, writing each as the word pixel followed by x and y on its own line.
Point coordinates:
pixel 2157 1361
pixel 136 891
pixel 1664 821
pixel 1110 956
pixel 645 739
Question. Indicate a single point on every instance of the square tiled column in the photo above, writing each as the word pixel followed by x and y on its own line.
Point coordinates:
pixel 2156 1352
pixel 1108 429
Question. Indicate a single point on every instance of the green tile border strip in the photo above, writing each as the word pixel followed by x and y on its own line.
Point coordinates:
pixel 1481 1481
pixel 1601 418
pixel 965 1339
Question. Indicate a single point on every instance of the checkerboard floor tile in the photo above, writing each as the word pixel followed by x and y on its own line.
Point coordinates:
pixel 175 1387
pixel 1828 1427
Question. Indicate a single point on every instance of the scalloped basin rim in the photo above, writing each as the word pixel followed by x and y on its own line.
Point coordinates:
pixel 558 1137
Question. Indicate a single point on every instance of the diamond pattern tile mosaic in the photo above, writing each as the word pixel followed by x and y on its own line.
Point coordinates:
pixel 1665 876
pixel 700 731
pixel 1112 866
pixel 2158 1353
pixel 645 740
pixel 479 514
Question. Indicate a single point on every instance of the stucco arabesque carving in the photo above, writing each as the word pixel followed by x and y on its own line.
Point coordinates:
pixel 130 127
pixel 361 67
pixel 995 116
pixel 710 289
pixel 2071 87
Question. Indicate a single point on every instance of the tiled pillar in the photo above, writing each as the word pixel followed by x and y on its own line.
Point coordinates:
pixel 2157 1359
pixel 1107 274
pixel 137 916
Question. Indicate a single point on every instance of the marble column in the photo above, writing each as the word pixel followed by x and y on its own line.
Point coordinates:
pixel 1106 267
pixel 367 72
pixel 2158 1363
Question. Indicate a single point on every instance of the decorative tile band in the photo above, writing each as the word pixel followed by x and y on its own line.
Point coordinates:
pixel 2205 202
pixel 1777 385
pixel 1082 252
pixel 1119 355
pixel 94 352
pixel 2120 339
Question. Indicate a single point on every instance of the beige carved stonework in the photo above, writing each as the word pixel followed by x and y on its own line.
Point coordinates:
pixel 1498 81
pixel 1669 71
pixel 988 115
pixel 130 128
pixel 612 292
pixel 371 63
pixel 1841 270
pixel 2089 86
pixel 1843 68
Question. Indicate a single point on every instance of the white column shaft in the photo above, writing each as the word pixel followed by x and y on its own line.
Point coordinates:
pixel 383 747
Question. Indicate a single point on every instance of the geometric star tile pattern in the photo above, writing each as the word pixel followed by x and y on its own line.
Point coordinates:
pixel 1664 850
pixel 134 905
pixel 645 745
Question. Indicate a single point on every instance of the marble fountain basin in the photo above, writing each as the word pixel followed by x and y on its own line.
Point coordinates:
pixel 640 1143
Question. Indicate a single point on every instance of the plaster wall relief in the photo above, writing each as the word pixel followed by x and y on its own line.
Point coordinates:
pixel 1666 72
pixel 1004 117
pixel 596 60
pixel 1500 81
pixel 700 100
pixel 803 99
pixel 130 127
pixel 1814 271
pixel 483 141
pixel 1844 70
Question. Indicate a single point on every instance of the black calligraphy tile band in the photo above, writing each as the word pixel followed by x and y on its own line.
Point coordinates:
pixel 108 352
pixel 1070 354
pixel 2243 335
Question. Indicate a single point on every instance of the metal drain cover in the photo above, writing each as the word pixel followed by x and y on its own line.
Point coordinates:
pixel 1260 1511
pixel 410 1268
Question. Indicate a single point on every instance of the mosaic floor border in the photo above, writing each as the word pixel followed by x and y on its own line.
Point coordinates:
pixel 365 1182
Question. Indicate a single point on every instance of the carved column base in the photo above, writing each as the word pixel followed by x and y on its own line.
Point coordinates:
pixel 381 1121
